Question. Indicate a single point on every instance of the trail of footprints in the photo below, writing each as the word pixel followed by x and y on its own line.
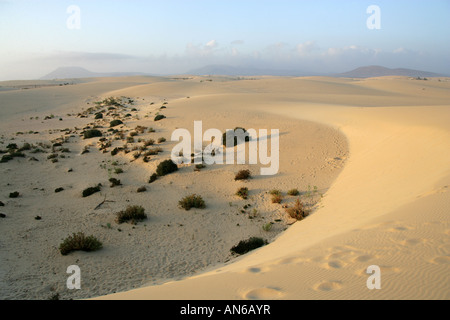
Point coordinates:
pixel 346 257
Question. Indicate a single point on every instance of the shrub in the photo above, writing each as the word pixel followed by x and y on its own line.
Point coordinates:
pixel 267 227
pixel 153 178
pixel 277 198
pixel 115 151
pixel 243 193
pixel 57 190
pixel 92 134
pixel 166 167
pixel 233 132
pixel 115 123
pixel 192 201
pixel 14 194
pixel 141 189
pixel 242 175
pixel 6 158
pixel 99 115
pixel 149 142
pixel 12 146
pixel 160 117
pixel 161 140
pixel 79 242
pixel 118 170
pixel 293 192
pixel 297 211
pixel 114 182
pixel 245 246
pixel 131 214
pixel 90 191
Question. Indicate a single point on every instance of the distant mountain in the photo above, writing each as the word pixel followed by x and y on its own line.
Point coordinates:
pixel 78 72
pixel 225 70
pixel 378 71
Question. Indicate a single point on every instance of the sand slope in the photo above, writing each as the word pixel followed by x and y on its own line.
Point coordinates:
pixel 389 207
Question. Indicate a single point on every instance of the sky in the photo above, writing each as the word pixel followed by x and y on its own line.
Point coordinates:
pixel 175 36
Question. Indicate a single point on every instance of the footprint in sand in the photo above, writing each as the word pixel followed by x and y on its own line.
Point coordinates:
pixel 328 286
pixel 263 294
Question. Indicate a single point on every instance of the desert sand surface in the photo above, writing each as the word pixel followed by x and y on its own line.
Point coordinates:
pixel 376 150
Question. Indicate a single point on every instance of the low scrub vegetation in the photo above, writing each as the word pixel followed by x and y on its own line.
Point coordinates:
pixel 243 193
pixel 166 167
pixel 297 211
pixel 132 214
pixel 93 133
pixel 90 191
pixel 242 175
pixel 79 242
pixel 245 246
pixel 192 201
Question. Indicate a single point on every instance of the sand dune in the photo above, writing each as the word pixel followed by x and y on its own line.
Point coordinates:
pixel 378 148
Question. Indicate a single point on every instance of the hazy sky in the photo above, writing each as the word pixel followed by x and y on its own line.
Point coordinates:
pixel 175 36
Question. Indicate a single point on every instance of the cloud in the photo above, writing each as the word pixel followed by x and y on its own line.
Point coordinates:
pixel 307 48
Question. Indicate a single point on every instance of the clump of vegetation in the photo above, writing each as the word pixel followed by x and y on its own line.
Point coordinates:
pixel 93 133
pixel 153 178
pixel 6 158
pixel 298 211
pixel 242 175
pixel 160 117
pixel 14 195
pixel 277 197
pixel 115 123
pixel 115 182
pixel 293 192
pixel 161 140
pixel 192 201
pixel 267 227
pixel 58 190
pixel 99 115
pixel 132 214
pixel 79 242
pixel 243 193
pixel 246 246
pixel 118 170
pixel 231 133
pixel 141 189
pixel 91 190
pixel 166 167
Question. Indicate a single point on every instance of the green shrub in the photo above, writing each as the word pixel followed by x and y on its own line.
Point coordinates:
pixel 115 123
pixel 161 140
pixel 245 246
pixel 131 214
pixel 90 191
pixel 192 201
pixel 92 133
pixel 243 193
pixel 267 227
pixel 293 192
pixel 160 117
pixel 99 115
pixel 79 242
pixel 118 170
pixel 242 175
pixel 166 167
